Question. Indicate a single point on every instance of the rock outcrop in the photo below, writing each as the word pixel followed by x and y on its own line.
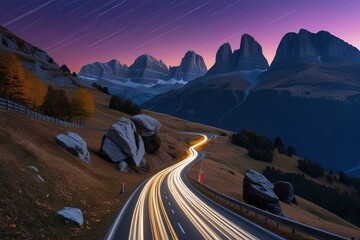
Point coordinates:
pixel 112 70
pixel 72 214
pixel 147 67
pixel 123 134
pixel 249 57
pixel 75 145
pixel 147 125
pixel 307 47
pixel 258 191
pixel 36 60
pixel 284 191
pixel 223 61
pixel 191 67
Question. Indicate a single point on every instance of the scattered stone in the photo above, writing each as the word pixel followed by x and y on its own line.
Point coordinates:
pixel 123 166
pixel 147 125
pixel 40 178
pixel 111 151
pixel 284 191
pixel 258 191
pixel 72 214
pixel 33 168
pixel 75 145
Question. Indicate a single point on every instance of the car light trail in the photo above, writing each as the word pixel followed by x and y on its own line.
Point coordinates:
pixel 210 223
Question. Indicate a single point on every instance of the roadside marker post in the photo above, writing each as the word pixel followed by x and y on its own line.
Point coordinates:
pixel 122 191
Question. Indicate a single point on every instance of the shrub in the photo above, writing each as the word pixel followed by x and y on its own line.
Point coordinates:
pixel 152 143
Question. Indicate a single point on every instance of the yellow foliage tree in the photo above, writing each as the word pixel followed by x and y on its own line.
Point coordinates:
pixel 82 105
pixel 36 92
pixel 13 84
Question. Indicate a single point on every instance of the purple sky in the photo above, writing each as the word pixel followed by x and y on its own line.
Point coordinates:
pixel 84 31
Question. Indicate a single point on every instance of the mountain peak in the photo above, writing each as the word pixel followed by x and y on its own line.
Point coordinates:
pixel 308 47
pixel 192 66
pixel 250 55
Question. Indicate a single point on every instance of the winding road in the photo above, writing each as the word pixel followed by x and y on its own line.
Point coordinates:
pixel 167 206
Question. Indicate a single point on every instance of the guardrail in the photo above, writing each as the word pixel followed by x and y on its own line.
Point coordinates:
pixel 293 225
pixel 10 105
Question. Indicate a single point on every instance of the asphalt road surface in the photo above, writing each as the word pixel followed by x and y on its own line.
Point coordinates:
pixel 167 206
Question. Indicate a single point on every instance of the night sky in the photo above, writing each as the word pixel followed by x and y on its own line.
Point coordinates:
pixel 82 31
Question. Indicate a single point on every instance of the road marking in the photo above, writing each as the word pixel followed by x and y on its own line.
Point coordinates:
pixel 169 203
pixel 172 211
pixel 181 228
pixel 166 197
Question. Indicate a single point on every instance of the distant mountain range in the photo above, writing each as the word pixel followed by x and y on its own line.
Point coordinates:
pixel 146 77
pixel 309 96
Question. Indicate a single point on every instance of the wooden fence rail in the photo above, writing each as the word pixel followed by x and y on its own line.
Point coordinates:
pixel 13 106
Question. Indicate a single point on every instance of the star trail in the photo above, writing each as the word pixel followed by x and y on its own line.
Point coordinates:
pixel 81 31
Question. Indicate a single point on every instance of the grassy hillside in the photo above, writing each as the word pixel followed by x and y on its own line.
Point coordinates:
pixel 224 168
pixel 28 206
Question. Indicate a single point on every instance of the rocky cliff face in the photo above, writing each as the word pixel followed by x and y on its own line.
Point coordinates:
pixel 35 59
pixel 192 66
pixel 223 61
pixel 307 47
pixel 148 68
pixel 112 70
pixel 248 57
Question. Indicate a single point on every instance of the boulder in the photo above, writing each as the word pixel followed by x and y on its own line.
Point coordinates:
pixel 111 151
pixel 123 166
pixel 147 125
pixel 72 214
pixel 123 134
pixel 258 191
pixel 284 191
pixel 75 145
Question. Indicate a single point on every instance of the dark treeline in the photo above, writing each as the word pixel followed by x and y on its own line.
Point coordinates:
pixel 259 147
pixel 126 106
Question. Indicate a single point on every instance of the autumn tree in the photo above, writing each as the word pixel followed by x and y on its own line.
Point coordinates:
pixel 82 105
pixel 56 104
pixel 13 84
pixel 36 92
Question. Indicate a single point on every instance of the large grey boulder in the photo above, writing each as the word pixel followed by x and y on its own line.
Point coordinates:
pixel 123 134
pixel 258 191
pixel 147 125
pixel 75 145
pixel 284 191
pixel 111 151
pixel 72 214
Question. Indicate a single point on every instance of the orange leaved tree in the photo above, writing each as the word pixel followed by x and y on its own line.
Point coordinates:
pixel 13 84
pixel 82 105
